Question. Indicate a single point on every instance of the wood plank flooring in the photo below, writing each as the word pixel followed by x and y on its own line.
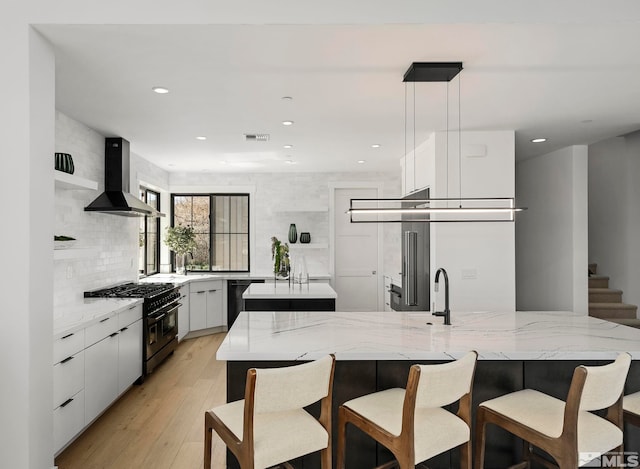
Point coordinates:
pixel 159 424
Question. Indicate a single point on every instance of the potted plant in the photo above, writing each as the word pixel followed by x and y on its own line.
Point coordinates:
pixel 280 256
pixel 181 240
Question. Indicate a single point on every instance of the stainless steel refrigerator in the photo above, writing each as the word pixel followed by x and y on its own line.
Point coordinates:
pixel 413 294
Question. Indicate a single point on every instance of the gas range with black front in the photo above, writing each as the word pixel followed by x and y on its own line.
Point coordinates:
pixel 160 317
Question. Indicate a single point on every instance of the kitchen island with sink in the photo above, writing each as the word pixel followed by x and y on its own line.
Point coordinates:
pixel 374 351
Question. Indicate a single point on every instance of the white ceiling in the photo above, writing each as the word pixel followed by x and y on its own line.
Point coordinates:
pixel 571 83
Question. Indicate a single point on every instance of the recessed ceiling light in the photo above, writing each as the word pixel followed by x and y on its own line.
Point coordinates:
pixel 538 140
pixel 290 162
pixel 287 122
pixel 223 162
pixel 586 121
pixel 160 89
pixel 287 146
pixel 287 98
pixel 361 161
pixel 375 145
pixel 171 164
pixel 202 137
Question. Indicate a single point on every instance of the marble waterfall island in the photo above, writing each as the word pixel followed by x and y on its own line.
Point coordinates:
pixel 374 351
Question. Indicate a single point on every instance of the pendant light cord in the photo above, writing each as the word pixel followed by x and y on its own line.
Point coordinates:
pixel 459 142
pixel 414 135
pixel 447 139
pixel 404 173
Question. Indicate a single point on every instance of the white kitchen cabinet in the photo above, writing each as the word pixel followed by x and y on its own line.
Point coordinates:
pixel 68 388
pixel 129 355
pixel 100 376
pixel 68 420
pixel 416 167
pixel 68 378
pixel 184 325
pixel 206 305
pixel 92 367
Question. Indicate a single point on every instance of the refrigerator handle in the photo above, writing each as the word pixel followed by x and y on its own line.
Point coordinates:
pixel 410 264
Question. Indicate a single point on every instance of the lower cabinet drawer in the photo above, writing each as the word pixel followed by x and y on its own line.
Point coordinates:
pixel 68 420
pixel 68 378
pixel 68 345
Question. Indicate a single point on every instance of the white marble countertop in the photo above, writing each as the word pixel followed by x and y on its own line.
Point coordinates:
pixel 286 290
pixel 75 316
pixel 194 277
pixel 547 335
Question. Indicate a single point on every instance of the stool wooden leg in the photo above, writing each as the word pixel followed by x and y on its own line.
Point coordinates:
pixel 480 437
pixel 342 423
pixel 465 455
pixel 208 431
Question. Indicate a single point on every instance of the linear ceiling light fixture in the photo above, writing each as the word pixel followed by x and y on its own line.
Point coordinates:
pixel 434 210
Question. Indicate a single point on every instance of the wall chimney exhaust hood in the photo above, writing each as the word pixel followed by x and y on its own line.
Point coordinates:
pixel 116 198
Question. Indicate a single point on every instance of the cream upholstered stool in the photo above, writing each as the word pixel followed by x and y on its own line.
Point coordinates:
pixel 269 426
pixel 631 406
pixel 569 432
pixel 411 423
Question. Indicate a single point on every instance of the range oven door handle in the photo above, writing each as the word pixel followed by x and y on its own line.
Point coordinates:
pixel 160 317
pixel 164 309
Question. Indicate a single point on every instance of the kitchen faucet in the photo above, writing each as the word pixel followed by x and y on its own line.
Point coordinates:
pixel 446 313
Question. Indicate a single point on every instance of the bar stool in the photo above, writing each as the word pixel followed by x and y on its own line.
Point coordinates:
pixel 411 423
pixel 631 406
pixel 569 432
pixel 270 426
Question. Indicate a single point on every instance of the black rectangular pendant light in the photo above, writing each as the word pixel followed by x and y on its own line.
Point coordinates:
pixel 432 71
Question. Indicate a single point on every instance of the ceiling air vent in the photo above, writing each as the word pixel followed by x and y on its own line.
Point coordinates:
pixel 256 137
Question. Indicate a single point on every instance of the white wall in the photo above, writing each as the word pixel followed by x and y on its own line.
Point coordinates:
pixel 26 188
pixel 479 257
pixel 551 236
pixel 614 218
pixel 275 194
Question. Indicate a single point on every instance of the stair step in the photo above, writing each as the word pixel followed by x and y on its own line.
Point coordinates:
pixel 598 281
pixel 612 310
pixel 593 269
pixel 605 295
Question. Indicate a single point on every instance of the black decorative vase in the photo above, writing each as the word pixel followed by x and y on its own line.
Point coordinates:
pixel 64 162
pixel 293 233
pixel 305 237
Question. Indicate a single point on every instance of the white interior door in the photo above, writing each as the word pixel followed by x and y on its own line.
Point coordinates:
pixel 356 275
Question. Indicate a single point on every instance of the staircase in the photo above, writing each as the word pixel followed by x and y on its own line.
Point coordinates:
pixel 604 302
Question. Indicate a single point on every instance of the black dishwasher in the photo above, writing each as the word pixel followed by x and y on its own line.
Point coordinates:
pixel 235 289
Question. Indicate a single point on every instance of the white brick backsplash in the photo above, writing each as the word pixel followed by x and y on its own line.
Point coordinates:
pixel 277 192
pixel 113 238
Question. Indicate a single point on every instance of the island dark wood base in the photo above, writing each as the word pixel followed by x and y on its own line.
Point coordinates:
pixel 492 379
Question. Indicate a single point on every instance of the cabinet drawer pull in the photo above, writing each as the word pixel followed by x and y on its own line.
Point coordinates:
pixel 66 336
pixel 104 320
pixel 213 290
pixel 134 306
pixel 67 402
pixel 68 359
pixel 198 292
pixel 124 329
pixel 114 334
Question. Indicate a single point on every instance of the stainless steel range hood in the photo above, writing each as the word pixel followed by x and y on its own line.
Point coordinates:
pixel 116 198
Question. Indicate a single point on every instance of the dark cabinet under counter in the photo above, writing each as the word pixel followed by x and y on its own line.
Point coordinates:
pixel 290 304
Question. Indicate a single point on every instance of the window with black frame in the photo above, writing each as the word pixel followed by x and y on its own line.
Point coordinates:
pixel 221 226
pixel 149 236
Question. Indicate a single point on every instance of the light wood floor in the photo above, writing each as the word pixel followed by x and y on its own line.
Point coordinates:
pixel 159 424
